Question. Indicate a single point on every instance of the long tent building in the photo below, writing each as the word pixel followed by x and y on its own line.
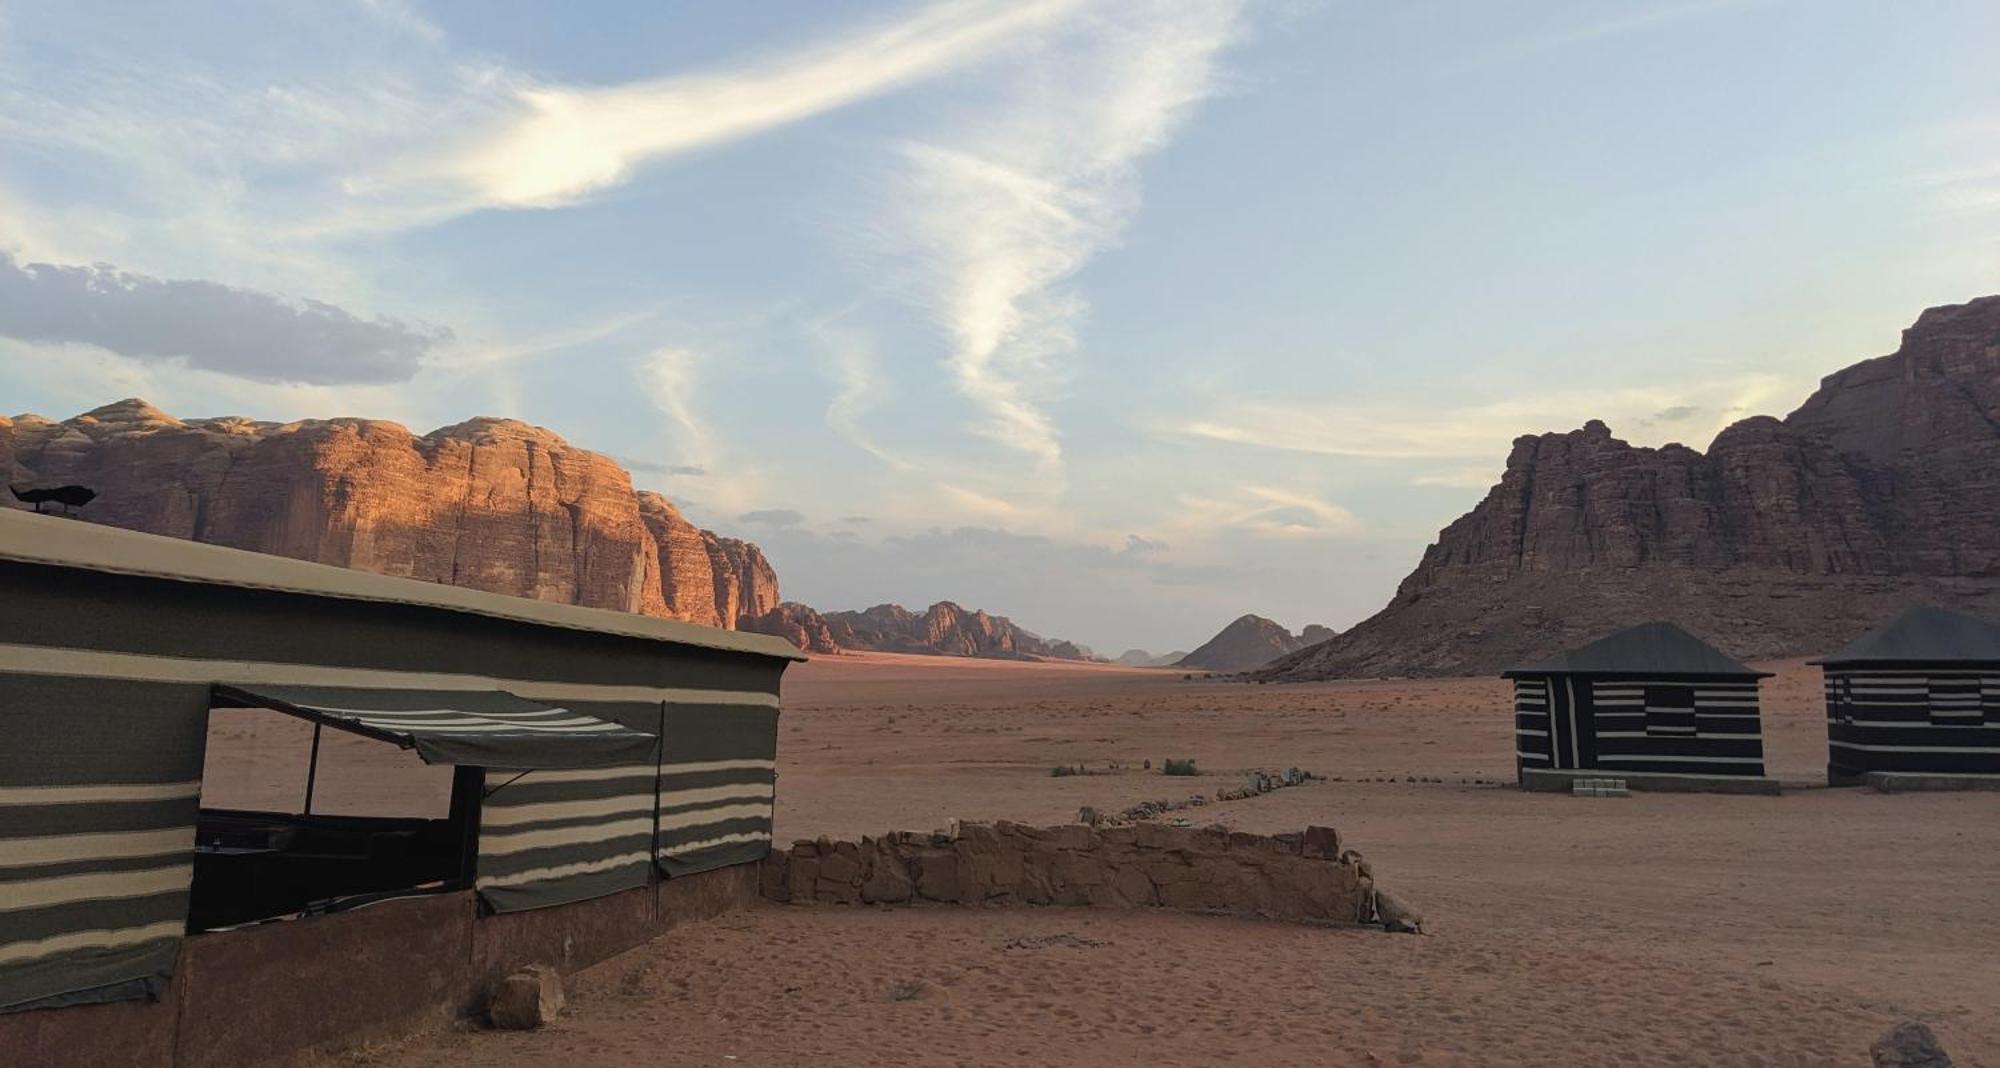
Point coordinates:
pixel 1918 695
pixel 596 756
pixel 1650 703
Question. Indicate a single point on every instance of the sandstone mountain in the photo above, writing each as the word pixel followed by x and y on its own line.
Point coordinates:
pixel 1249 642
pixel 491 504
pixel 1787 537
pixel 944 629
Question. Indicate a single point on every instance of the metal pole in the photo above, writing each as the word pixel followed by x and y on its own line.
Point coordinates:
pixel 312 769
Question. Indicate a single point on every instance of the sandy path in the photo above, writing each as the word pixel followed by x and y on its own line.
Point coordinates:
pixel 1647 930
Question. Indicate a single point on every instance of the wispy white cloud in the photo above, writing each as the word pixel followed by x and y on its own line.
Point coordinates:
pixel 1483 430
pixel 555 144
pixel 1001 211
pixel 670 379
pixel 859 392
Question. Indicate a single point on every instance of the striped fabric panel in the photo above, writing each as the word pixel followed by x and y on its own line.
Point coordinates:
pixel 99 784
pixel 549 837
pixel 1531 723
pixel 1667 725
pixel 717 808
pixel 1938 721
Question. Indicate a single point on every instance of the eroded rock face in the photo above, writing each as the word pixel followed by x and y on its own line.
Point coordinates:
pixel 944 629
pixel 1787 537
pixel 490 504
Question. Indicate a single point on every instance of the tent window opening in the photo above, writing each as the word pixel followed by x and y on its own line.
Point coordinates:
pixel 1670 711
pixel 298 819
pixel 1955 701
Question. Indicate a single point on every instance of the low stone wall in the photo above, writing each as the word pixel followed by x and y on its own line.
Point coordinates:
pixel 1305 877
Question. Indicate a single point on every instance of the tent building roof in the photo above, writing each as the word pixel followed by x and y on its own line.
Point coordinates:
pixel 1923 635
pixel 1647 649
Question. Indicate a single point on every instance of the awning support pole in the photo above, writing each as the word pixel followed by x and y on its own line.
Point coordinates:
pixel 312 769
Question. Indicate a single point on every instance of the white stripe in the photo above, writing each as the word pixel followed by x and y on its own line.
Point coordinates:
pixel 710 843
pixel 16 952
pixel 749 791
pixel 441 713
pixel 94 886
pixel 496 727
pixel 1530 732
pixel 1916 748
pixel 563 871
pixel 495 845
pixel 98 792
pixel 700 816
pixel 514 815
pixel 249 674
pixel 1682 759
pixel 1531 756
pixel 623 771
pixel 717 765
pixel 108 845
pixel 1575 753
pixel 1922 724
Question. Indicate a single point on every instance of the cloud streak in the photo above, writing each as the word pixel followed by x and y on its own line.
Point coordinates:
pixel 1001 213
pixel 208 326
pixel 559 144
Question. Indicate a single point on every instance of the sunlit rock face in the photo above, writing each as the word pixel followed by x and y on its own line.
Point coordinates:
pixel 490 504
pixel 1787 537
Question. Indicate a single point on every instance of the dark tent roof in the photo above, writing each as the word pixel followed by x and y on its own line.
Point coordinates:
pixel 484 728
pixel 1923 635
pixel 1647 649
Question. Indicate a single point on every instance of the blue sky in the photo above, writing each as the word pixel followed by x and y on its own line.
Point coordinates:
pixel 1122 317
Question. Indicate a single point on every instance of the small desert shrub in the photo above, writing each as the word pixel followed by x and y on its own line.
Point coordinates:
pixel 907 990
pixel 1183 766
pixel 1061 771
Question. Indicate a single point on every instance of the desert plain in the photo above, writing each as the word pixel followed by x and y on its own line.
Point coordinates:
pixel 1654 929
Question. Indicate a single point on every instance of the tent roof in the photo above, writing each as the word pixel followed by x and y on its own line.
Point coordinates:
pixel 75 543
pixel 488 728
pixel 1647 649
pixel 1923 635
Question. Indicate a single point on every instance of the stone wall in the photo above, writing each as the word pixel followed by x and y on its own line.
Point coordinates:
pixel 1304 877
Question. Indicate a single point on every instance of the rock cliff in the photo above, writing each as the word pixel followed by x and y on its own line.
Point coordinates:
pixel 944 629
pixel 1248 642
pixel 491 504
pixel 1786 537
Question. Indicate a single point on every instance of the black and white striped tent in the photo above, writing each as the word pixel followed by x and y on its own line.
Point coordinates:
pixel 592 749
pixel 1650 699
pixel 1921 694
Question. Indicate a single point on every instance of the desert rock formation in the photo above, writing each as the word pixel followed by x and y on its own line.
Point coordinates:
pixel 1249 641
pixel 1786 537
pixel 491 504
pixel 943 629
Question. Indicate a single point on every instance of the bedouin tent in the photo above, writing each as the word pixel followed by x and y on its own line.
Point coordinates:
pixel 1651 698
pixel 1920 693
pixel 112 647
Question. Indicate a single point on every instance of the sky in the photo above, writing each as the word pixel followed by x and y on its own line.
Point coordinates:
pixel 1119 317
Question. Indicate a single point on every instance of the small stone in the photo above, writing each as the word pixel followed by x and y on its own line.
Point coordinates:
pixel 526 999
pixel 1397 916
pixel 1909 1045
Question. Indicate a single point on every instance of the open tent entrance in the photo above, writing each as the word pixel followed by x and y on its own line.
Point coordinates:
pixel 271 859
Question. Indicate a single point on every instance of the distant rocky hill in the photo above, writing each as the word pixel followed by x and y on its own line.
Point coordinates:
pixel 944 629
pixel 490 504
pixel 1786 537
pixel 1250 641
pixel 1142 658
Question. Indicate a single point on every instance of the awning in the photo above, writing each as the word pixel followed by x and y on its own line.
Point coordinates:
pixel 484 728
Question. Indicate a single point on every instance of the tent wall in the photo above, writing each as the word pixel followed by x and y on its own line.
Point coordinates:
pixel 1532 745
pixel 717 782
pixel 1939 720
pixel 140 651
pixel 98 788
pixel 551 837
pixel 1667 724
pixel 1677 724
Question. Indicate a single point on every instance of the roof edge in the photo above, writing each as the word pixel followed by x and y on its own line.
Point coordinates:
pixel 57 541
